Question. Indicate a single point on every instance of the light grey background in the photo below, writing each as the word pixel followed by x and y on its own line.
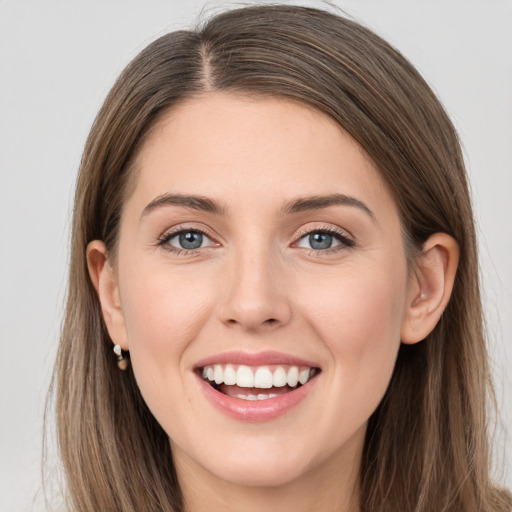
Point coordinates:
pixel 57 61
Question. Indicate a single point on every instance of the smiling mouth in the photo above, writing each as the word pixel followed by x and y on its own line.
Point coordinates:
pixel 256 382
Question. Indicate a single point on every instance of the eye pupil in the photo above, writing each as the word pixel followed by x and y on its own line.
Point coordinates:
pixel 320 240
pixel 191 240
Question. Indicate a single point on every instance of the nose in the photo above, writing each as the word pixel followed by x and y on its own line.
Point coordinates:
pixel 256 294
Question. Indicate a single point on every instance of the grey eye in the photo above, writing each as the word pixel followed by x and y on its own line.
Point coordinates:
pixel 190 240
pixel 319 241
pixel 187 240
pixel 323 240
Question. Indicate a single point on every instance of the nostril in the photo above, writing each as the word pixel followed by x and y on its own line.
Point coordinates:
pixel 270 321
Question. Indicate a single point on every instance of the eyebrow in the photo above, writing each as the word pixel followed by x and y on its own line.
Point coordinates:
pixel 301 204
pixel 320 202
pixel 194 202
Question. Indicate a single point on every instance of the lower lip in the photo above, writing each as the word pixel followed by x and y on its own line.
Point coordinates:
pixel 256 410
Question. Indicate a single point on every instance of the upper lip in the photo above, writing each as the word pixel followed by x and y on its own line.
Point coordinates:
pixel 255 359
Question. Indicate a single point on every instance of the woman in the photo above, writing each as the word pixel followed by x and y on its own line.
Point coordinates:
pixel 273 239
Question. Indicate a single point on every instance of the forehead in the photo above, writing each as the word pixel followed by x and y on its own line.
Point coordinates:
pixel 232 147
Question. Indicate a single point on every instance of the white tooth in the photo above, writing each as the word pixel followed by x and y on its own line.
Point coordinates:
pixel 229 375
pixel 293 376
pixel 262 396
pixel 205 372
pixel 209 373
pixel 263 378
pixel 304 376
pixel 244 377
pixel 279 377
pixel 272 395
pixel 218 374
pixel 252 397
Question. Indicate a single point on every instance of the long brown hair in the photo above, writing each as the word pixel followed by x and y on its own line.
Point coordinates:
pixel 426 447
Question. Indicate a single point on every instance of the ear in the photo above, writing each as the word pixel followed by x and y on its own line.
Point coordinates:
pixel 430 287
pixel 105 282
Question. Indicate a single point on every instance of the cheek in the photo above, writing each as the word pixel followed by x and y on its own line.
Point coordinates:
pixel 358 301
pixel 164 312
pixel 359 320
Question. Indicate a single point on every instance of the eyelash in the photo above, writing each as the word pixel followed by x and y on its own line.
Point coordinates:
pixel 164 240
pixel 345 241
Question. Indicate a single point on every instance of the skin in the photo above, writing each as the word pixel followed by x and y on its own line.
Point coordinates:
pixel 257 285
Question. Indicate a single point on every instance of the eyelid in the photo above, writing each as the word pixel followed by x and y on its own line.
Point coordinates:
pixel 345 238
pixel 170 233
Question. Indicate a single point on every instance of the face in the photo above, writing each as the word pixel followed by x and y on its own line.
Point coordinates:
pixel 261 281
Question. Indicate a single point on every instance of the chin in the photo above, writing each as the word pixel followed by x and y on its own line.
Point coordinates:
pixel 260 473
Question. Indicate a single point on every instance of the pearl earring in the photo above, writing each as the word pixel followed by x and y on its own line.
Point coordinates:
pixel 122 357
